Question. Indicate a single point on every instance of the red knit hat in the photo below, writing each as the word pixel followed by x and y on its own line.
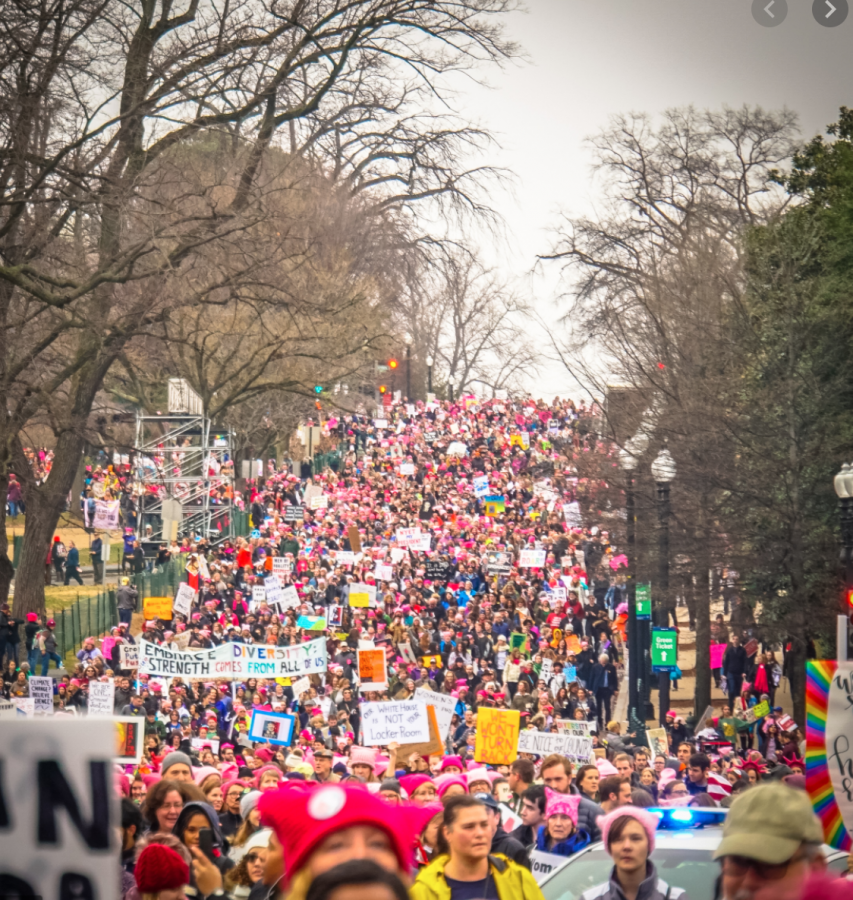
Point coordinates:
pixel 302 818
pixel 160 868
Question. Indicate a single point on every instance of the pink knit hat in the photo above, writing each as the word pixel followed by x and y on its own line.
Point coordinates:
pixel 452 761
pixel 605 767
pixel 443 782
pixel 562 804
pixel 365 756
pixel 478 774
pixel 647 819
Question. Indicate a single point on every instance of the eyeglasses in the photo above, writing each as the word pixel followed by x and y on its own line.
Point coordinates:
pixel 739 866
pixel 252 857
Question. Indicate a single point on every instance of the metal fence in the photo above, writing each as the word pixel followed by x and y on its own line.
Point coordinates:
pixel 86 617
pixel 242 526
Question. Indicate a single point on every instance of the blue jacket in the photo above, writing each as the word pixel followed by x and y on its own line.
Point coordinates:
pixel 596 678
pixel 572 844
pixel 72 561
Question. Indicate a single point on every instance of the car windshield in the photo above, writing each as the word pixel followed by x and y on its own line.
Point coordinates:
pixel 691 869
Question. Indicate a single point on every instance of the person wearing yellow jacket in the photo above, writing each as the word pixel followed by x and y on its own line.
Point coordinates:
pixel 466 871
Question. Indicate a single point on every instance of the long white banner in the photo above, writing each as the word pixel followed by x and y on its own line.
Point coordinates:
pixel 577 749
pixel 234 661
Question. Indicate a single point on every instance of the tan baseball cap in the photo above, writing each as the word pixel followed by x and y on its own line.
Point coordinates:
pixel 768 823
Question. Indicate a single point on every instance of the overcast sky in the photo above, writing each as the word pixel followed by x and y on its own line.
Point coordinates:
pixel 589 59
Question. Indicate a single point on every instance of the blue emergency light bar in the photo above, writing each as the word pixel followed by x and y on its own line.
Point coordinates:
pixel 688 817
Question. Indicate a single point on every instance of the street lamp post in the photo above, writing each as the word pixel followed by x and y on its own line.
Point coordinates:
pixel 663 471
pixel 450 391
pixel 843 483
pixel 628 462
pixel 429 374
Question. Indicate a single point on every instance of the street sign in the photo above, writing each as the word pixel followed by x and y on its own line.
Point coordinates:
pixel 664 649
pixel 644 601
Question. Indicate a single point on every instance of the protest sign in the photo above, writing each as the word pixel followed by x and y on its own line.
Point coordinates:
pixel 424 545
pixel 404 721
pixel 380 423
pixel 184 599
pixel 362 595
pixel 437 570
pixel 320 501
pixel 751 647
pixel 430 437
pixel 572 514
pixel 547 670
pixel 481 486
pixel 571 674
pixel 344 558
pixel 542 743
pixel 271 727
pixel 760 710
pixel 372 670
pixel 234 660
pixel 542 864
pixel 128 655
pixel 531 559
pixel 199 743
pixel 102 697
pixel 444 705
pixel 294 513
pixel 157 607
pixel 288 598
pixel 281 566
pixel 433 747
pixel 518 641
pixel 128 734
pixel 383 572
pixel 311 623
pixel 658 742
pixel 272 590
pixel 41 692
pixel 8 710
pixel 497 736
pixel 573 643
pixel 407 468
pixel 408 537
pixel 106 515
pixel 300 686
pixel 354 539
pixel 26 706
pixel 717 653
pixel 558 595
pixel 432 662
pixel 497 563
pixel 60 809
pixel 259 594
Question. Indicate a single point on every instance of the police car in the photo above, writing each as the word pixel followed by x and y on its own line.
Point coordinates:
pixel 684 857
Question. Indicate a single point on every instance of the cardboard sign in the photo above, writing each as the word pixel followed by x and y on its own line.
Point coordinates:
pixel 407 468
pixel 128 735
pixel 408 537
pixel 128 655
pixel 198 744
pixel 444 705
pixel 497 563
pixel 60 809
pixel 321 501
pixel 41 693
pixel 344 558
pixel 157 607
pixel 760 710
pixel 362 595
pixel 259 595
pixel 751 647
pixel 288 598
pixel 300 686
pixel 542 743
pixel 497 736
pixel 102 697
pixel 437 570
pixel 354 539
pixel 272 590
pixel 294 513
pixel 404 721
pixel 372 670
pixel 433 747
pixel 717 653
pixel 547 670
pixel 432 662
pixel 481 486
pixel 184 599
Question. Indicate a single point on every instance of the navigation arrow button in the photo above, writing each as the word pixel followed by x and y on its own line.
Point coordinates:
pixel 770 13
pixel 830 13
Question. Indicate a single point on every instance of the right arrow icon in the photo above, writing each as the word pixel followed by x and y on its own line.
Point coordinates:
pixel 830 13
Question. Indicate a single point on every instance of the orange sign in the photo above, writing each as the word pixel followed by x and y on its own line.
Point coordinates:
pixel 573 643
pixel 434 661
pixel 157 607
pixel 371 666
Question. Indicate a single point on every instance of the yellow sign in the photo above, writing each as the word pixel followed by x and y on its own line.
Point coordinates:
pixel 157 607
pixel 573 643
pixel 434 661
pixel 761 709
pixel 497 736
pixel 359 600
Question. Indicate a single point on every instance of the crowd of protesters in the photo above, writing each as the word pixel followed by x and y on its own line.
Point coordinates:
pixel 208 812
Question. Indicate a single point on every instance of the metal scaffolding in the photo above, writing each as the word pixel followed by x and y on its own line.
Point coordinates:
pixel 184 473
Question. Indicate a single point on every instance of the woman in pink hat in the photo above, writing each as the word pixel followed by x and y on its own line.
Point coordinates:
pixel 560 833
pixel 628 834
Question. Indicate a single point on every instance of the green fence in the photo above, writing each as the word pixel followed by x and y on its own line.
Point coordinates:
pixel 162 581
pixel 86 617
pixel 241 525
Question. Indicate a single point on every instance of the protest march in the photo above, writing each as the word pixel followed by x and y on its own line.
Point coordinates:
pixel 443 636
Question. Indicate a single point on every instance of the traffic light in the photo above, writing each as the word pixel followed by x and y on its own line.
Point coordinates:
pixel 382 388
pixel 392 363
pixel 318 388
pixel 848 596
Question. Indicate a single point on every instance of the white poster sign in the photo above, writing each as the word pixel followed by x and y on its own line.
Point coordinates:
pixel 407 468
pixel 383 572
pixel 289 598
pixel 344 558
pixel 106 515
pixel 543 864
pixel 272 589
pixel 41 693
pixel 235 660
pixel 321 501
pixel 184 599
pixel 481 486
pixel 547 670
pixel 838 740
pixel 405 721
pixel 397 553
pixel 300 686
pixel 102 697
pixel 542 743
pixel 26 706
pixel 572 514
pixel 444 705
pixel 59 838
pixel 259 594
pixel 531 559
pixel 408 537
pixel 128 655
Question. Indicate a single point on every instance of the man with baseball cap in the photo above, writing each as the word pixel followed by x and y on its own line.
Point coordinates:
pixel 771 842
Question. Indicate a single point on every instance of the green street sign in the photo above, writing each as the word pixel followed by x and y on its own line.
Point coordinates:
pixel 664 648
pixel 644 601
